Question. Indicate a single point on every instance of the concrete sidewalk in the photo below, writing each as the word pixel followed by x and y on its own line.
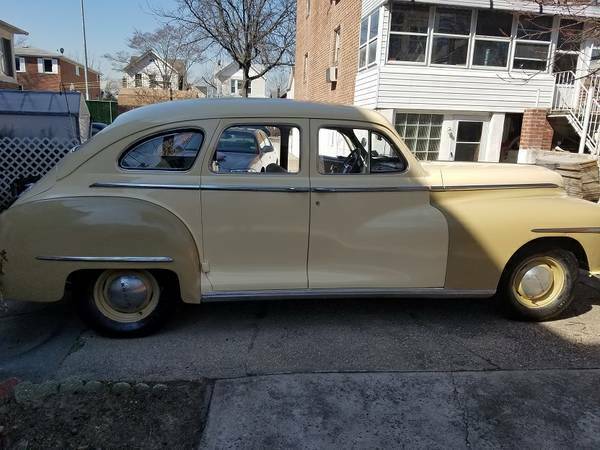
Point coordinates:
pixel 498 409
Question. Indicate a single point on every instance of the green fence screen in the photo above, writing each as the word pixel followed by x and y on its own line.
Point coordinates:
pixel 102 111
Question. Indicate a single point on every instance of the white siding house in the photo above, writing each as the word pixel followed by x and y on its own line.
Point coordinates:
pixel 227 82
pixel 456 76
pixel 151 71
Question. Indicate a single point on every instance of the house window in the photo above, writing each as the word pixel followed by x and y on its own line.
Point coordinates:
pixel 124 82
pixel 336 47
pixel 492 38
pixel 468 139
pixel 570 35
pixel 236 87
pixel 533 43
pixel 421 133
pixel 152 80
pixel 20 64
pixel 47 64
pixel 367 52
pixel 305 68
pixel 6 59
pixel 77 71
pixel 451 36
pixel 233 87
pixel 138 80
pixel 408 33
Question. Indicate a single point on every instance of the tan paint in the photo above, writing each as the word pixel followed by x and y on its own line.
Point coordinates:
pixel 259 240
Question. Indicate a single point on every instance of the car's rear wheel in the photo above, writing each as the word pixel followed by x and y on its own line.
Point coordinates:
pixel 540 285
pixel 124 302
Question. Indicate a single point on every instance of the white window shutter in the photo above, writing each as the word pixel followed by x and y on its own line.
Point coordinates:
pixel 55 66
pixel 40 65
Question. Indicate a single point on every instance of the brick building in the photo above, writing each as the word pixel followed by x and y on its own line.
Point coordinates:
pixel 326 43
pixel 463 80
pixel 41 70
pixel 8 79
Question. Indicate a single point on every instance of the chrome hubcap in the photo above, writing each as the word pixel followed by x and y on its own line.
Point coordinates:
pixel 536 282
pixel 128 293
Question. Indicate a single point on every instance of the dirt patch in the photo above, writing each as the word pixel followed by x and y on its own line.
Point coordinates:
pixel 171 416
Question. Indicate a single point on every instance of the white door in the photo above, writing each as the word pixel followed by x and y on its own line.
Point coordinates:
pixel 468 139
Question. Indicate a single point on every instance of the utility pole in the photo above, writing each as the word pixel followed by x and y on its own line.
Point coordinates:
pixel 85 69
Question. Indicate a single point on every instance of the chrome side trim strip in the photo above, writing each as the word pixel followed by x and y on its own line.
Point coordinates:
pixel 218 296
pixel 258 188
pixel 477 187
pixel 193 187
pixel 219 187
pixel 567 230
pixel 119 259
pixel 371 189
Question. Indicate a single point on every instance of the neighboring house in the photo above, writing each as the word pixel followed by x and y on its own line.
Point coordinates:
pixel 149 70
pixel 227 82
pixel 8 70
pixel 42 70
pixel 461 80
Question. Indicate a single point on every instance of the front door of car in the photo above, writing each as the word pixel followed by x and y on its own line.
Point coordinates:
pixel 255 219
pixel 372 225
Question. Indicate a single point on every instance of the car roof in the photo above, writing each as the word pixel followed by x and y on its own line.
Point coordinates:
pixel 182 110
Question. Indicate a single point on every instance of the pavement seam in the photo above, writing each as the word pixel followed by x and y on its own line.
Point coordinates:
pixel 210 388
pixel 463 408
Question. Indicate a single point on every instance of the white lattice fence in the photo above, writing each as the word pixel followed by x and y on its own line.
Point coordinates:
pixel 23 157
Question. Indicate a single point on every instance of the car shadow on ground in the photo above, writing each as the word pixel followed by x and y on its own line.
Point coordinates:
pixel 245 338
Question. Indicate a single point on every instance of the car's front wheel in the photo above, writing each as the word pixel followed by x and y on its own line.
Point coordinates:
pixel 124 303
pixel 540 285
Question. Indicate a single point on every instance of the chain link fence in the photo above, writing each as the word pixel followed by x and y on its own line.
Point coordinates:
pixel 24 157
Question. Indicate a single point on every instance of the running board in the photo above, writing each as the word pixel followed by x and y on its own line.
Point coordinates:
pixel 282 294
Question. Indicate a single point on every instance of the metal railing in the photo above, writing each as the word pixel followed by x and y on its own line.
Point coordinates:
pixel 578 99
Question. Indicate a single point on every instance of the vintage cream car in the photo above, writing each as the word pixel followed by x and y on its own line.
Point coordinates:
pixel 146 213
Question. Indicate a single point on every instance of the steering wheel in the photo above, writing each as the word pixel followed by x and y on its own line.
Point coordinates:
pixel 352 161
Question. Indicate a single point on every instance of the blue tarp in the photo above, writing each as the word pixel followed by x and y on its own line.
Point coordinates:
pixel 58 115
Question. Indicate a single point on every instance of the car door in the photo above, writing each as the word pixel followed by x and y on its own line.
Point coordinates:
pixel 255 224
pixel 373 226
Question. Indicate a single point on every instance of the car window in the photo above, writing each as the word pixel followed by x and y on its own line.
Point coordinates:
pixel 169 151
pixel 357 151
pixel 257 149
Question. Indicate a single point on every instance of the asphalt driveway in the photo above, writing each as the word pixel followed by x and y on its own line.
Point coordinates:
pixel 347 372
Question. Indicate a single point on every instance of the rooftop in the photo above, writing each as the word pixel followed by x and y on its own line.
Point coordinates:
pixel 41 53
pixel 12 28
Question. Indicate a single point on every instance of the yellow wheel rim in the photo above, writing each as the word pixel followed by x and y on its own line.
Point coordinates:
pixel 538 281
pixel 126 296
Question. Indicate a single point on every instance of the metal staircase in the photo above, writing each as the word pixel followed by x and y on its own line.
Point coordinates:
pixel 578 99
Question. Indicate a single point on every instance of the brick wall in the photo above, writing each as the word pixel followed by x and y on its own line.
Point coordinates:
pixel 536 132
pixel 69 76
pixel 32 80
pixel 7 85
pixel 315 36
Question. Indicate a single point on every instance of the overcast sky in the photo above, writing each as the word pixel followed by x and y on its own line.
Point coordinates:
pixel 55 24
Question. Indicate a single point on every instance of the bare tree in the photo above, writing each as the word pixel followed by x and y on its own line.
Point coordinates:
pixel 278 80
pixel 175 54
pixel 257 34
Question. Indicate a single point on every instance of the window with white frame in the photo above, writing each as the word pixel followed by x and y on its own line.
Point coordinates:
pixel 367 51
pixel 532 45
pixel 305 69
pixel 77 71
pixel 237 85
pixel 20 64
pixel 451 31
pixel 408 32
pixel 492 39
pixel 336 46
pixel 440 35
pixel 138 80
pixel 422 133
pixel 568 47
pixel 47 65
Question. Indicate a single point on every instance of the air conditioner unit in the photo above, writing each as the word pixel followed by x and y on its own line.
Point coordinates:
pixel 331 74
